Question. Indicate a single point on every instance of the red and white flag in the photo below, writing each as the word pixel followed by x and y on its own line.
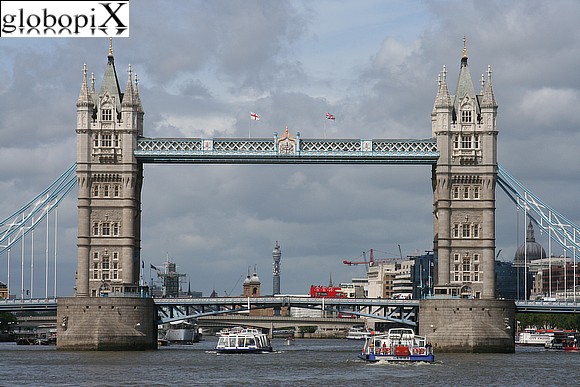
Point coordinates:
pixel 329 116
pixel 254 116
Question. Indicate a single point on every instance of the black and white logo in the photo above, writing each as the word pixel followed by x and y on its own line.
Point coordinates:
pixel 83 19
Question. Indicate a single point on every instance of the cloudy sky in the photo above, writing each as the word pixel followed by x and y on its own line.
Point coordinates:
pixel 205 65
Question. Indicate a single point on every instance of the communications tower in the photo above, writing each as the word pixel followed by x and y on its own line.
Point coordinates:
pixel 277 255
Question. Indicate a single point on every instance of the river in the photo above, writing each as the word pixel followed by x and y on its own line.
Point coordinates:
pixel 331 362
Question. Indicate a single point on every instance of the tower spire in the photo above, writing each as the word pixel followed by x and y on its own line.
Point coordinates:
pixel 84 95
pixel 488 99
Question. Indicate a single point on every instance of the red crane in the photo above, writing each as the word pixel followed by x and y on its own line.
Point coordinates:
pixel 372 260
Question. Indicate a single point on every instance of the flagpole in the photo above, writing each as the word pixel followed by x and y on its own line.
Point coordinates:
pixel 250 128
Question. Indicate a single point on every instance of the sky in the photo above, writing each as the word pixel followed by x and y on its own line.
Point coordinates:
pixel 203 66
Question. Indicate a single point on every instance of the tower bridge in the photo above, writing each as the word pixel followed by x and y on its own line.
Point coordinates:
pixel 112 149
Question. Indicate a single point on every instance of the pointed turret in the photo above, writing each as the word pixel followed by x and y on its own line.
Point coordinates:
pixel 488 99
pixel 443 108
pixel 84 95
pixel 140 113
pixel 443 99
pixel 136 96
pixel 129 95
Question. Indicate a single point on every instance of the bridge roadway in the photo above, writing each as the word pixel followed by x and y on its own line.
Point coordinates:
pixel 173 309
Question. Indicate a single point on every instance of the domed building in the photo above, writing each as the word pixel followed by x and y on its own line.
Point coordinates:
pixel 252 285
pixel 529 251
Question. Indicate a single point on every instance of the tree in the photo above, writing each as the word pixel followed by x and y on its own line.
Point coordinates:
pixel 553 320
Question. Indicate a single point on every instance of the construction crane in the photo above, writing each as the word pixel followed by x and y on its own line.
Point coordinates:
pixel 232 289
pixel 351 263
pixel 372 260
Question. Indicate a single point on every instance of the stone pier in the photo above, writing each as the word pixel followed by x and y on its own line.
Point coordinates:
pixel 468 325
pixel 106 324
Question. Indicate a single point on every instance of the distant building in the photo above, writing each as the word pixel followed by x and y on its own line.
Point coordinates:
pixel 423 275
pixel 358 288
pixel 509 281
pixel 381 279
pixel 3 290
pixel 251 285
pixel 402 279
pixel 529 251
pixel 170 280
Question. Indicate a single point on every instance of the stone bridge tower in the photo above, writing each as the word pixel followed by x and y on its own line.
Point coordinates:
pixel 109 123
pixel 464 182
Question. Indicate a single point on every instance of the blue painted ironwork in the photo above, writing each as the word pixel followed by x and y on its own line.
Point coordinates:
pixel 565 232
pixel 23 221
pixel 286 150
pixel 400 311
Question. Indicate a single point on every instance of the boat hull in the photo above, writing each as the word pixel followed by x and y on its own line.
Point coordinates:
pixel 371 357
pixel 244 350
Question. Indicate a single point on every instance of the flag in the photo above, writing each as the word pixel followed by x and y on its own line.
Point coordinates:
pixel 329 116
pixel 254 116
pixel 153 267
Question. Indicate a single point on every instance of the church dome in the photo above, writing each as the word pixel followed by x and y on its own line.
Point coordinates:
pixel 247 280
pixel 255 280
pixel 529 251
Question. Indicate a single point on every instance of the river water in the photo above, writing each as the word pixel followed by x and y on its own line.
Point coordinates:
pixel 331 362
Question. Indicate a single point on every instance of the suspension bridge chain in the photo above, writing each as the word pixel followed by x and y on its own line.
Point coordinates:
pixel 566 233
pixel 26 219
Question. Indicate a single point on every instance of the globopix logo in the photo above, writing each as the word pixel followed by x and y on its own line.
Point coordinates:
pixel 83 19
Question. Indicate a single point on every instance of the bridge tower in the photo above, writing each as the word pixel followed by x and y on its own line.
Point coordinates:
pixel 464 181
pixel 109 206
pixel 109 185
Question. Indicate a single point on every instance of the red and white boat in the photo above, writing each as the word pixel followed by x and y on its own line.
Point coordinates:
pixel 564 341
pixel 398 345
pixel 534 337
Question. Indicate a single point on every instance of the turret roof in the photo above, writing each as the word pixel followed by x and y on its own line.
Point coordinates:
pixel 465 83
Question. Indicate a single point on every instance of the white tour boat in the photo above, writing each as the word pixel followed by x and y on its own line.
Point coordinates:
pixel 247 340
pixel 531 336
pixel 398 345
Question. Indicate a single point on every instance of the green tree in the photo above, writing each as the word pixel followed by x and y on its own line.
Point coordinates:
pixel 554 320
